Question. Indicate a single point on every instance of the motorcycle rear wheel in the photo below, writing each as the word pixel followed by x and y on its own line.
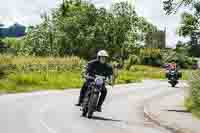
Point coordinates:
pixel 84 112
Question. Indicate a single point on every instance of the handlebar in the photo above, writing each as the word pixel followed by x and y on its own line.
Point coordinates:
pixel 93 78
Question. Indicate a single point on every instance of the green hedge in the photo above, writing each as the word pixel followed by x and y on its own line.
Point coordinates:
pixel 193 101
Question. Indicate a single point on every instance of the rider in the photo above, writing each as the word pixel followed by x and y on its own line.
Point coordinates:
pixel 98 66
pixel 172 66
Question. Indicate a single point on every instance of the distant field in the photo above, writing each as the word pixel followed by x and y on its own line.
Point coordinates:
pixel 13 42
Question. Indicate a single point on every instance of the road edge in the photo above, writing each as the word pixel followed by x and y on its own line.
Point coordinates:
pixel 165 124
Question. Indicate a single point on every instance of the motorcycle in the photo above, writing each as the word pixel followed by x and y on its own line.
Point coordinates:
pixel 173 77
pixel 92 95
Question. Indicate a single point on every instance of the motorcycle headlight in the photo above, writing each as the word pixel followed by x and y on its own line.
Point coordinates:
pixel 99 82
pixel 172 72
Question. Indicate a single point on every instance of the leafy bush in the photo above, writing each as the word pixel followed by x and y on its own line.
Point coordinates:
pixel 193 102
pixel 182 59
pixel 133 59
pixel 185 61
pixel 15 45
pixel 149 56
pixel 127 77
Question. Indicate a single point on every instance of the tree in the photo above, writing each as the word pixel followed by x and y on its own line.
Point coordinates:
pixel 182 48
pixel 190 25
pixel 190 21
pixel 1 25
pixel 123 14
pixel 79 28
pixel 171 6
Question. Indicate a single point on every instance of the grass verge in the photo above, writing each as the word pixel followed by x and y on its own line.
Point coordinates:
pixel 192 103
pixel 46 73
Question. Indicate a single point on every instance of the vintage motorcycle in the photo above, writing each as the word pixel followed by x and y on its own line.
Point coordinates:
pixel 92 95
pixel 173 77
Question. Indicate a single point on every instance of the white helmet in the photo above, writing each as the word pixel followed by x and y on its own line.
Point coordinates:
pixel 102 53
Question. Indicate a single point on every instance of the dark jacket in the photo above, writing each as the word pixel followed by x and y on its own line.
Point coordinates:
pixel 95 67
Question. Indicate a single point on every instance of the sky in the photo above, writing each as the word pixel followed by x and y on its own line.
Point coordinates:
pixel 28 12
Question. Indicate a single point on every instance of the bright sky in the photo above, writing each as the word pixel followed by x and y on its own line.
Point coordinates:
pixel 28 12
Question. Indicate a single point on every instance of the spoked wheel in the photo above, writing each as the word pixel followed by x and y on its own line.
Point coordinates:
pixel 92 104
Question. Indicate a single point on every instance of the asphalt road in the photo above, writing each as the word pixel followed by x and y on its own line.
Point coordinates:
pixel 54 111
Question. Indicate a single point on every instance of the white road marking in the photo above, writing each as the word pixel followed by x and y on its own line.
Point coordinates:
pixel 42 122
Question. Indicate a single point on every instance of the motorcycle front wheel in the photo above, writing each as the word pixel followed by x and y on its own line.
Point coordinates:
pixel 92 104
pixel 173 83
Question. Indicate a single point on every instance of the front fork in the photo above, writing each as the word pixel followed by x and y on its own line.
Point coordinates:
pixel 93 99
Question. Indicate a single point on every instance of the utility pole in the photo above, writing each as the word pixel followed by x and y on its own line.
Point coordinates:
pixel 165 32
pixel 132 3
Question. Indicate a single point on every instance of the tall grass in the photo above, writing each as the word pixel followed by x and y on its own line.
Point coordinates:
pixel 14 42
pixel 192 103
pixel 9 59
pixel 22 74
pixel 20 82
pixel 140 72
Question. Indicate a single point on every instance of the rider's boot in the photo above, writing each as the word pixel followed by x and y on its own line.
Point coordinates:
pixel 79 102
pixel 98 109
